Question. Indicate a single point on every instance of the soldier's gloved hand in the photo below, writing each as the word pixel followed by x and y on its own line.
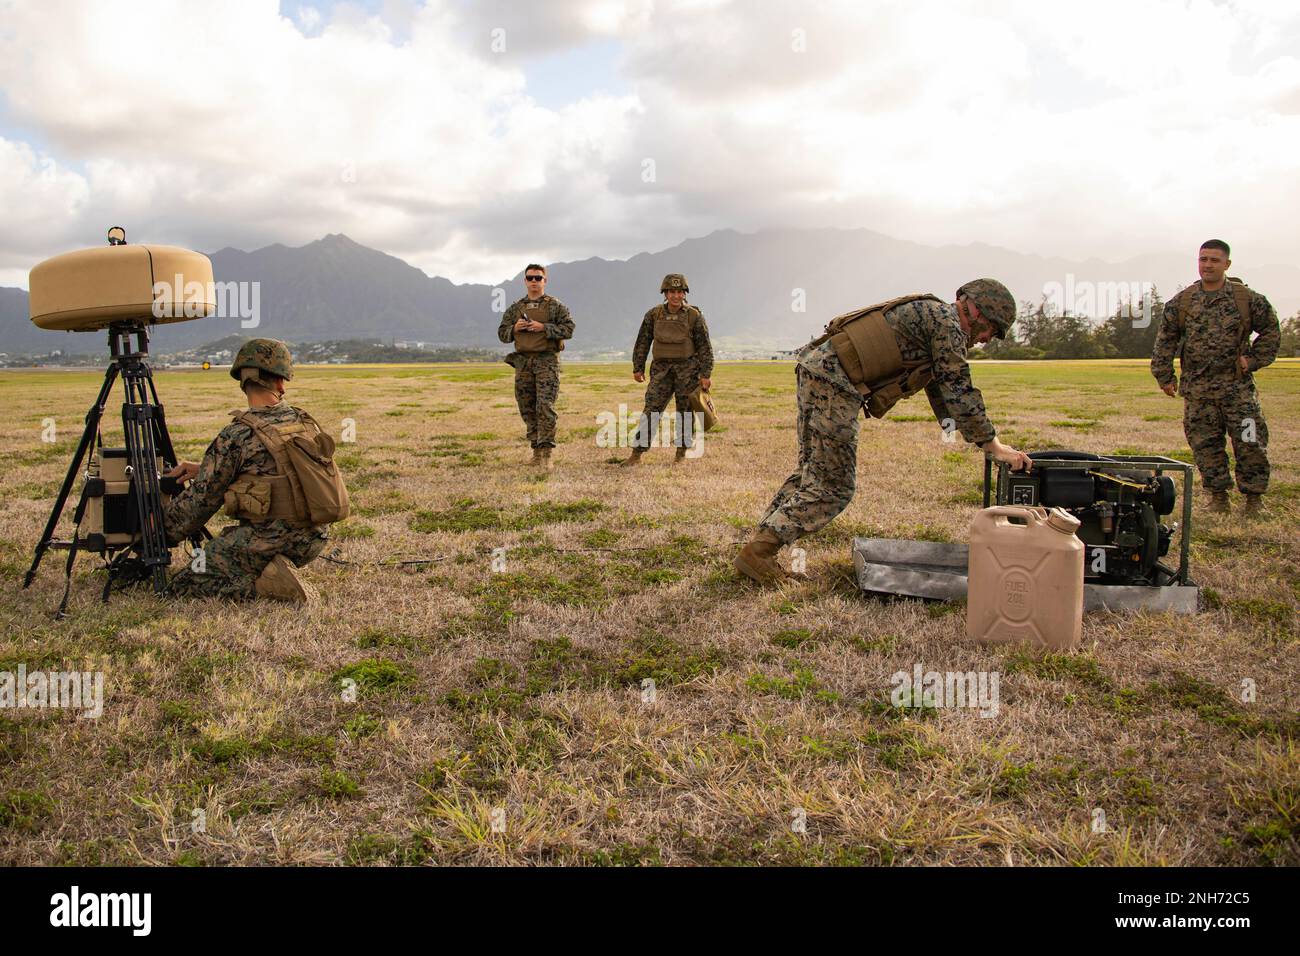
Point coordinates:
pixel 1018 460
pixel 706 383
pixel 639 376
pixel 185 471
pixel 1244 363
pixel 1171 389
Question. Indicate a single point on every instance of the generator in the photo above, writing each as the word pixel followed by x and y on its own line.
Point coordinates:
pixel 1121 502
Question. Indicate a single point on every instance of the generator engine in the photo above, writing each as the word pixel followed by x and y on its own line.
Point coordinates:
pixel 1119 507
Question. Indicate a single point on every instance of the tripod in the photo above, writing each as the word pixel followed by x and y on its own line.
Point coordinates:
pixel 145 431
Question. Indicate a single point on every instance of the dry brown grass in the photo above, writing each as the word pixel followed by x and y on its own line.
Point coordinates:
pixel 522 691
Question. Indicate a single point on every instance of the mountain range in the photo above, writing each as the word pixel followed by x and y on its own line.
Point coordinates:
pixel 771 289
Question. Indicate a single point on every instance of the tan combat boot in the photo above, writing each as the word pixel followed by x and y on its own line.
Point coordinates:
pixel 680 456
pixel 1219 503
pixel 536 458
pixel 544 459
pixel 279 583
pixel 757 559
pixel 632 459
pixel 1254 505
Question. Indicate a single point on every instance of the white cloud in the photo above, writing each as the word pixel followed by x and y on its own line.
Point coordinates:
pixel 39 194
pixel 1110 130
pixel 309 19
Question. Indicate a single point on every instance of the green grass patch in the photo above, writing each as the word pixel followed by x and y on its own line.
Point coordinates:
pixel 793 638
pixel 800 684
pixel 182 715
pixel 376 675
pixel 195 672
pixel 625 854
pixel 382 637
pixel 368 848
pixel 25 810
pixel 556 665
pixel 665 661
pixel 898 748
pixel 1079 668
pixel 349 529
pixel 924 532
pixel 586 588
pixel 918 706
pixel 1276 616
pixel 467 515
pixel 311 747
pixel 1013 780
pixel 874 645
pixel 336 785
pixel 371 504
pixel 548 512
pixel 1214 706
pixel 601 538
pixel 362 725
pixel 464 515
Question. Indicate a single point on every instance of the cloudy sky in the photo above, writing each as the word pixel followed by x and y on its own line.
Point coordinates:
pixel 469 138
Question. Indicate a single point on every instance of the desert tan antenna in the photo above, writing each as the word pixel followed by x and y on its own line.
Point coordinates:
pixel 123 289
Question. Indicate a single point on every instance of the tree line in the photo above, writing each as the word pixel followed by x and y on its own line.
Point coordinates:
pixel 1043 331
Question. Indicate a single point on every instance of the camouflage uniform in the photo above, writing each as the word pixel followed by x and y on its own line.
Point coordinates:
pixel 537 374
pixel 235 559
pixel 670 378
pixel 827 426
pixel 1217 397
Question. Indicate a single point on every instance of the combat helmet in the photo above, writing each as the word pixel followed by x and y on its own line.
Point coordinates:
pixel 674 281
pixel 262 355
pixel 995 302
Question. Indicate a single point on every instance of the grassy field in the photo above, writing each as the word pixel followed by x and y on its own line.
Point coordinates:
pixel 500 716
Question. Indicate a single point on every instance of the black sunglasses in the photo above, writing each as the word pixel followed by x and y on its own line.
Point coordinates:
pixel 534 278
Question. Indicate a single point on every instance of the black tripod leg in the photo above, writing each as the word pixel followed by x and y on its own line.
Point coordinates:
pixel 62 612
pixel 87 436
pixel 140 428
pixel 77 516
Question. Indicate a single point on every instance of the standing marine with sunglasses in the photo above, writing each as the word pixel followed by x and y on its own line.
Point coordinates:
pixel 537 324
